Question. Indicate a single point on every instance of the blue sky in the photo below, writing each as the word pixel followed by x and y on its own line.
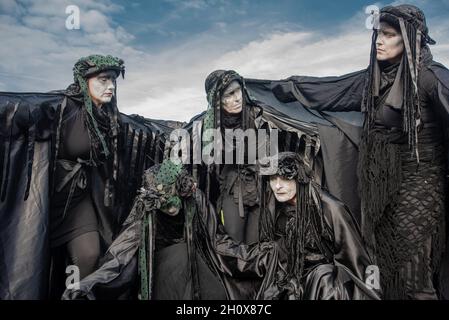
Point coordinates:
pixel 159 23
pixel 170 46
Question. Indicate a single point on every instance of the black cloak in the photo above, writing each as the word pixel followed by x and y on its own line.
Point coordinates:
pixel 341 276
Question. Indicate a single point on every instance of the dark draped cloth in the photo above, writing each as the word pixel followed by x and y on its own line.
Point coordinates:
pixel 28 131
pixel 329 138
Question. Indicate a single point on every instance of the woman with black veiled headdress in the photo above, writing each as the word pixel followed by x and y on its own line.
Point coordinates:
pixel 310 248
pixel 402 163
pixel 232 186
pixel 404 95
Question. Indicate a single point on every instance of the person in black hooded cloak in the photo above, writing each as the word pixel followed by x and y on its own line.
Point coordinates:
pixel 310 248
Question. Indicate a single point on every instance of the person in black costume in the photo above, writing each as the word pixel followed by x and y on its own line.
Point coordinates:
pixel 231 187
pixel 163 251
pixel 81 218
pixel 70 166
pixel 402 164
pixel 310 248
pixel 235 194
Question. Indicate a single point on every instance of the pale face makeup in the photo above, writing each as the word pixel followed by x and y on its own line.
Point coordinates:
pixel 284 190
pixel 172 211
pixel 101 87
pixel 231 99
pixel 389 44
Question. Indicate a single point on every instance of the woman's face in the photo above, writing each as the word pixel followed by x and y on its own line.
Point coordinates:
pixel 171 210
pixel 231 99
pixel 101 87
pixel 389 44
pixel 284 190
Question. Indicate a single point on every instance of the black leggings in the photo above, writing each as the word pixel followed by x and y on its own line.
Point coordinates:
pixel 84 252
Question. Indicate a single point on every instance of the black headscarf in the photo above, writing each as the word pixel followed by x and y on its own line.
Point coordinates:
pixel 308 219
pixel 215 84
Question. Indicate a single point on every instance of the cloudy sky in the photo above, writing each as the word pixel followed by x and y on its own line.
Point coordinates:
pixel 170 46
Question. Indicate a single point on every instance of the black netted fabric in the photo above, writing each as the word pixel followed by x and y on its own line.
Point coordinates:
pixel 410 234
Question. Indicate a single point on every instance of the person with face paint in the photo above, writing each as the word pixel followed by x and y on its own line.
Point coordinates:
pixel 404 207
pixel 310 248
pixel 86 165
pixel 70 167
pixel 235 191
pixel 232 187
pixel 163 251
pixel 402 160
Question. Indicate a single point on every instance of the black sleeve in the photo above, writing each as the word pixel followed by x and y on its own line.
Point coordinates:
pixel 343 93
pixel 349 248
pixel 437 92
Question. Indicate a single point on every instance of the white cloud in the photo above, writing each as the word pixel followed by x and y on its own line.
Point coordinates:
pixel 169 84
pixel 39 51
pixel 275 56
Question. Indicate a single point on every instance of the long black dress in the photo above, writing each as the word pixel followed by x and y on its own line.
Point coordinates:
pixel 238 195
pixel 81 225
pixel 29 130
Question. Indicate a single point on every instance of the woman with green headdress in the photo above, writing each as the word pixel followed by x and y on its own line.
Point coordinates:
pixel 86 164
pixel 163 251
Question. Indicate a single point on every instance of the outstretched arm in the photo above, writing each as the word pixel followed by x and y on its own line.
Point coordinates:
pixel 343 93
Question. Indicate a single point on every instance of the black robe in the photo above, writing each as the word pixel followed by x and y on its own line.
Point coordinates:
pixel 338 272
